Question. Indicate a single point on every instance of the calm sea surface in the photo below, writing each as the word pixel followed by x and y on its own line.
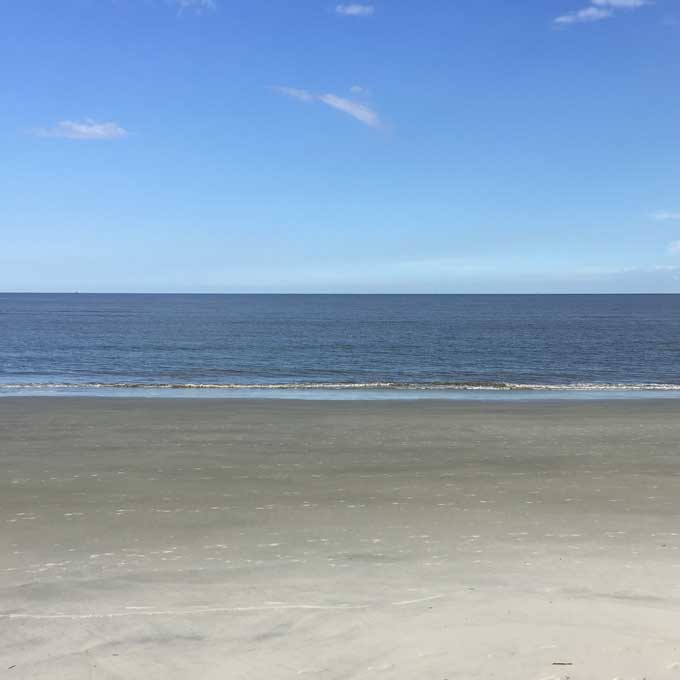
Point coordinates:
pixel 340 345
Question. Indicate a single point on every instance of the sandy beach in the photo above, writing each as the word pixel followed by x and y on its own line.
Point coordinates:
pixel 288 539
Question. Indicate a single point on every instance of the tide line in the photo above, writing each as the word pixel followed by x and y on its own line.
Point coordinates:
pixel 138 611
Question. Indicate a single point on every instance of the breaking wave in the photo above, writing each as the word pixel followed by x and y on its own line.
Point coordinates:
pixel 414 386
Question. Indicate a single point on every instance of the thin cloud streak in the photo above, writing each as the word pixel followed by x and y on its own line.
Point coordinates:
pixel 356 110
pixel 295 93
pixel 361 112
pixel 674 248
pixel 598 10
pixel 586 15
pixel 664 216
pixel 620 4
pixel 198 6
pixel 87 129
pixel 355 10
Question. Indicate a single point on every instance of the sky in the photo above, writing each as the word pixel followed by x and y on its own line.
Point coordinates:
pixel 443 146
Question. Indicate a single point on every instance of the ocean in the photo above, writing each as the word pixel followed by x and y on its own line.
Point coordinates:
pixel 340 346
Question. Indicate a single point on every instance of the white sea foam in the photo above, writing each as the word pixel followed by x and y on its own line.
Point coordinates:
pixel 414 386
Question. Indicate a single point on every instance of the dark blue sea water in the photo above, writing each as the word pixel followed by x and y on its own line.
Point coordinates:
pixel 347 345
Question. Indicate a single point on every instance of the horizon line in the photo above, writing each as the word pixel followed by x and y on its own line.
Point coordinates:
pixel 77 292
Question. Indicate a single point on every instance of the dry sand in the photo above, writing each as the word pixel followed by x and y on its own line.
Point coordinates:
pixel 272 540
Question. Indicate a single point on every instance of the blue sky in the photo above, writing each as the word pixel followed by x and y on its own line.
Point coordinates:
pixel 311 146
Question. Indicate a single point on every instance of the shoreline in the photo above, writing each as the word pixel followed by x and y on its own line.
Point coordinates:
pixel 649 400
pixel 351 395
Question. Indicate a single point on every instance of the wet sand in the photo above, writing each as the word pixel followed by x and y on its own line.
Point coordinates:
pixel 286 539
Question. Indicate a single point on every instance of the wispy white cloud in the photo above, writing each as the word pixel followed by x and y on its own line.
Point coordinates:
pixel 357 89
pixel 355 9
pixel 582 16
pixel 198 6
pixel 620 4
pixel 86 130
pixel 674 248
pixel 356 110
pixel 664 216
pixel 294 92
pixel 598 10
pixel 361 112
